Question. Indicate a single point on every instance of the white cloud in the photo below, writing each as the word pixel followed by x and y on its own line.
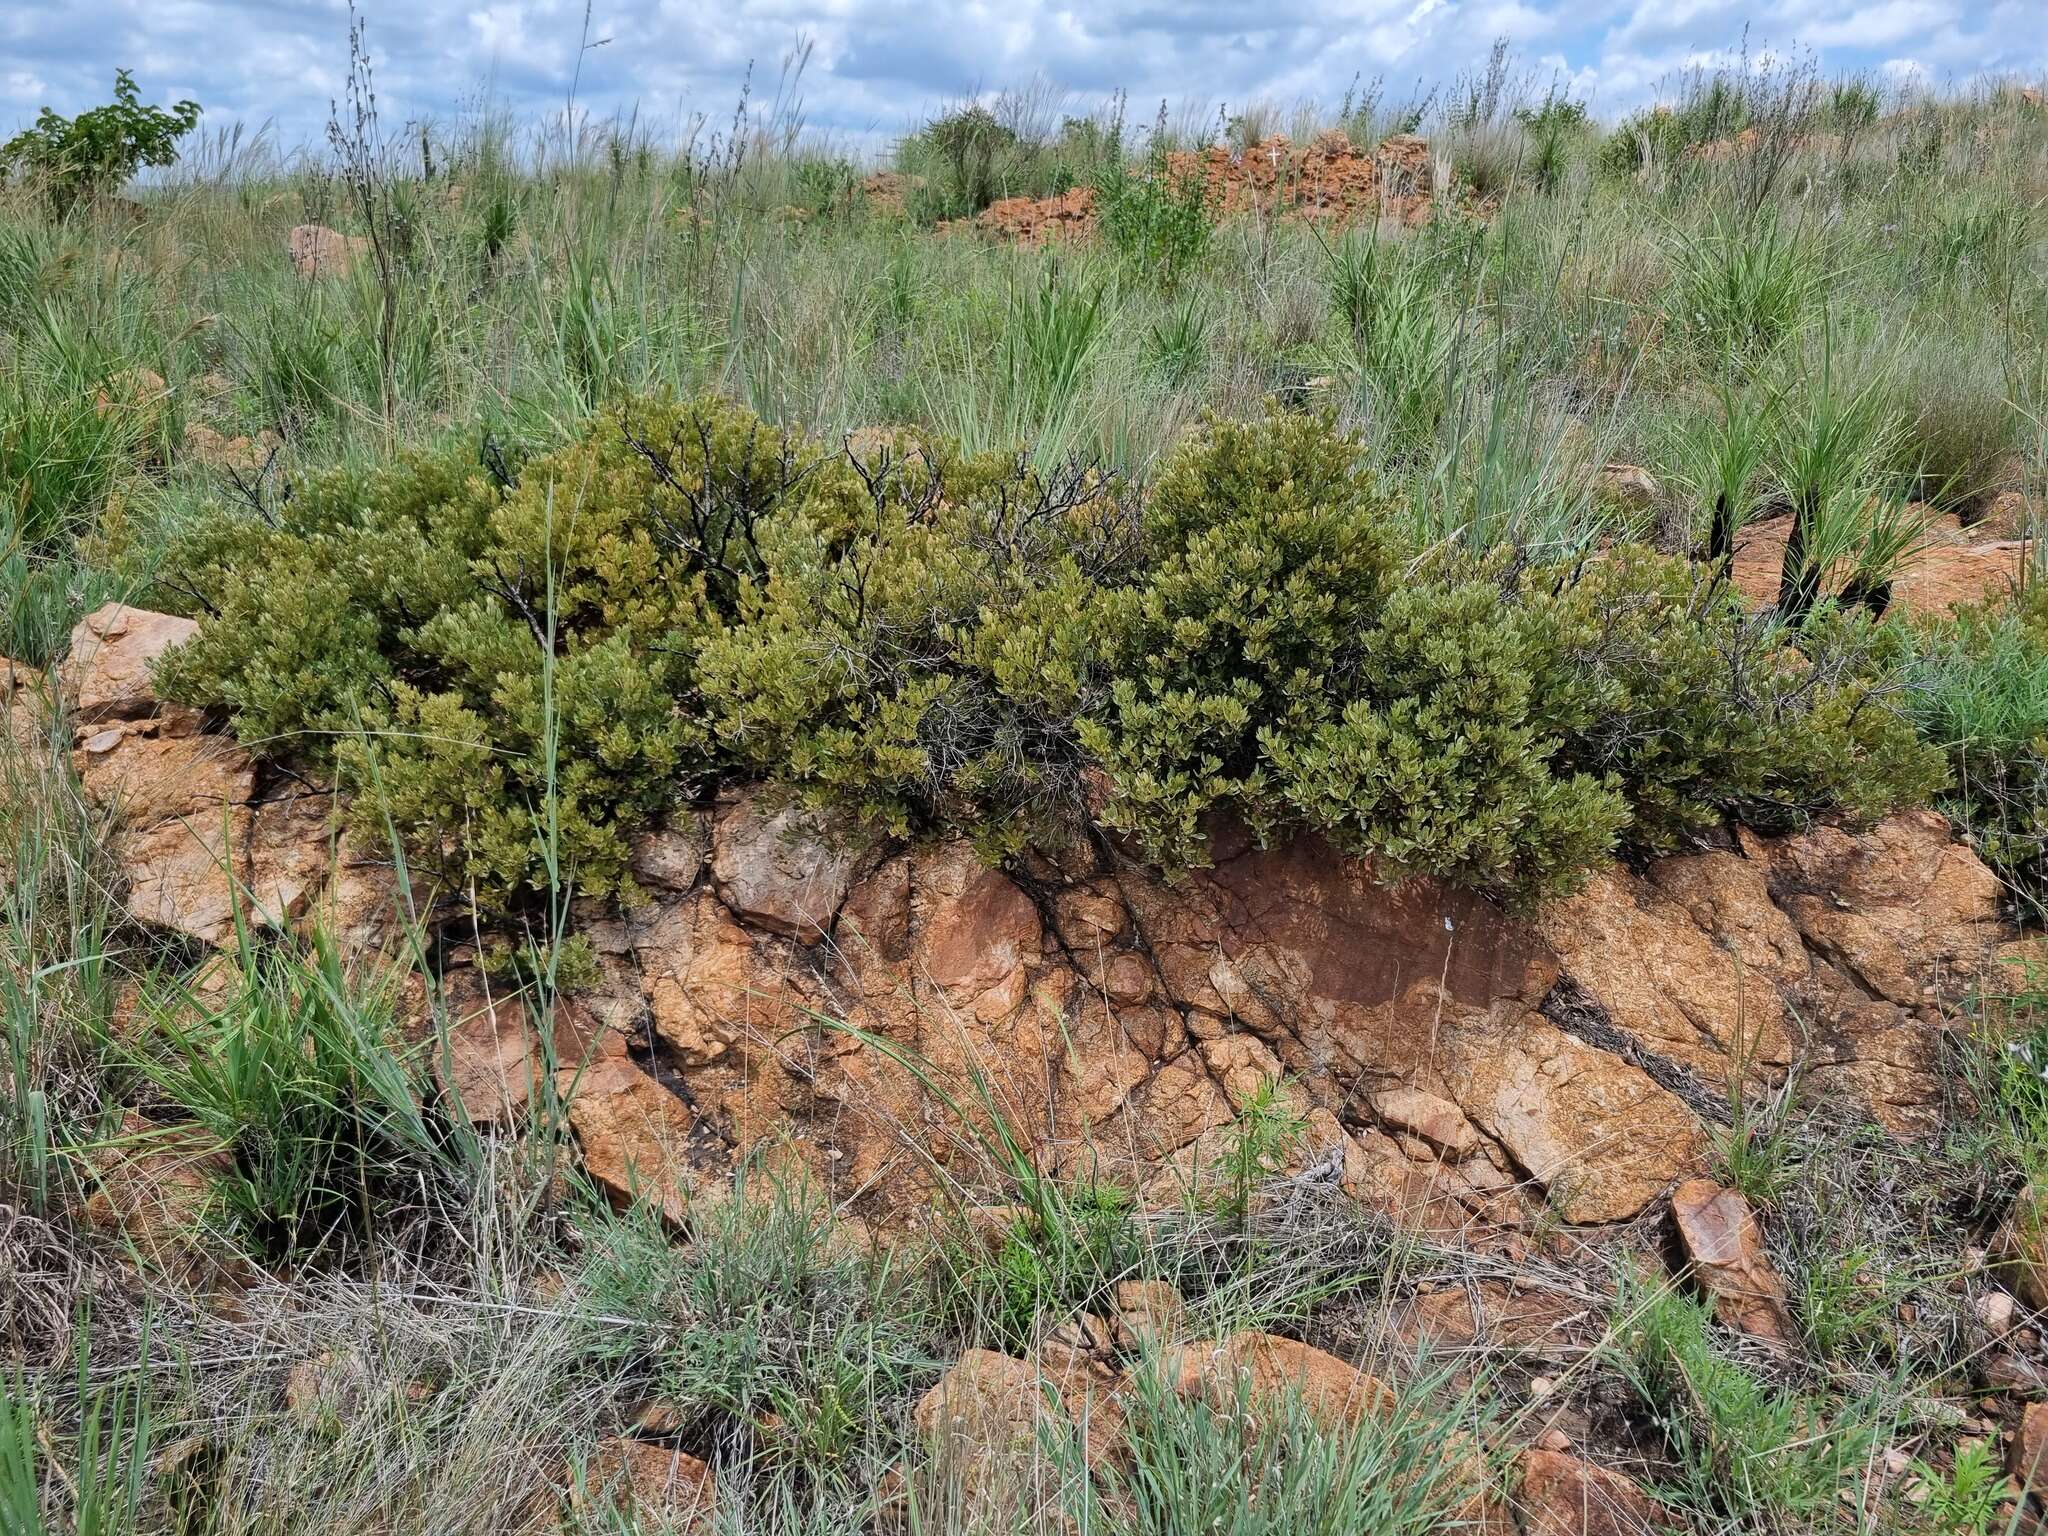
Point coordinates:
pixel 877 66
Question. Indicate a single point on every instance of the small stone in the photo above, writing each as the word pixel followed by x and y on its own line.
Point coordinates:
pixel 1995 1310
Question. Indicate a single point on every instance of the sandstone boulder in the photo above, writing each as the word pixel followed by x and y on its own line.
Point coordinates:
pixel 1601 1137
pixel 985 1423
pixel 639 1140
pixel 106 676
pixel 1726 1250
pixel 25 704
pixel 647 1482
pixel 154 1186
pixel 2028 1461
pixel 2023 1247
pixel 1253 1368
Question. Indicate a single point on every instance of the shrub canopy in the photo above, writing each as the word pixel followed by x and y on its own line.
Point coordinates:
pixel 917 640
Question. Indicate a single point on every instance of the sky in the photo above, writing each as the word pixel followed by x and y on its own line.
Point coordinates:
pixel 878 67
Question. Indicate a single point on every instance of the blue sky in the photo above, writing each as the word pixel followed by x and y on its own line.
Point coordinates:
pixel 879 65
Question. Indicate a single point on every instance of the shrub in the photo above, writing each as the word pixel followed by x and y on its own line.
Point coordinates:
pixel 1159 220
pixel 472 650
pixel 528 672
pixel 74 157
pixel 1455 717
pixel 920 662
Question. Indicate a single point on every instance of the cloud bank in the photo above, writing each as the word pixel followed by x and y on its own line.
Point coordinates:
pixel 876 67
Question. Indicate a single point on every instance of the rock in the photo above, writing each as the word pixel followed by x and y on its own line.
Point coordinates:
pixel 670 858
pixel 1689 960
pixel 638 1139
pixel 1527 1319
pixel 779 872
pixel 1255 1368
pixel 1556 1494
pixel 644 1481
pixel 1994 1310
pixel 1150 1314
pixel 1436 1121
pixel 1955 566
pixel 1602 1138
pixel 1726 1250
pixel 323 1393
pixel 154 1186
pixel 1906 912
pixel 980 934
pixel 711 991
pixel 490 1059
pixel 180 823
pixel 1629 486
pixel 984 1423
pixel 2028 1462
pixel 106 675
pixel 317 251
pixel 241 454
pixel 26 708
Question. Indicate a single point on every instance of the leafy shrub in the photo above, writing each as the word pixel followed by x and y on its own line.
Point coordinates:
pixel 74 157
pixel 1158 220
pixel 470 649
pixel 1454 717
pixel 526 673
pixel 921 661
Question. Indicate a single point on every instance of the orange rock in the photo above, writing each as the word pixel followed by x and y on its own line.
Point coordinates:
pixel 781 872
pixel 155 1186
pixel 638 1139
pixel 2028 1461
pixel 106 676
pixel 1256 1368
pixel 1598 1133
pixel 644 1480
pixel 1726 1250
pixel 1557 1494
pixel 317 251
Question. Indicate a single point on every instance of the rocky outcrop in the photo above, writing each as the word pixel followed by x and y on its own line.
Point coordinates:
pixel 880 1013
pixel 203 838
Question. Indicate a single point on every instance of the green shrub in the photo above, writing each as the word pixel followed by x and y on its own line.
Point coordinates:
pixel 527 674
pixel 74 157
pixel 1160 222
pixel 920 664
pixel 472 651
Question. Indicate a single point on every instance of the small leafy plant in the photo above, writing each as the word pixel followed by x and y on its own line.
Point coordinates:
pixel 76 157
